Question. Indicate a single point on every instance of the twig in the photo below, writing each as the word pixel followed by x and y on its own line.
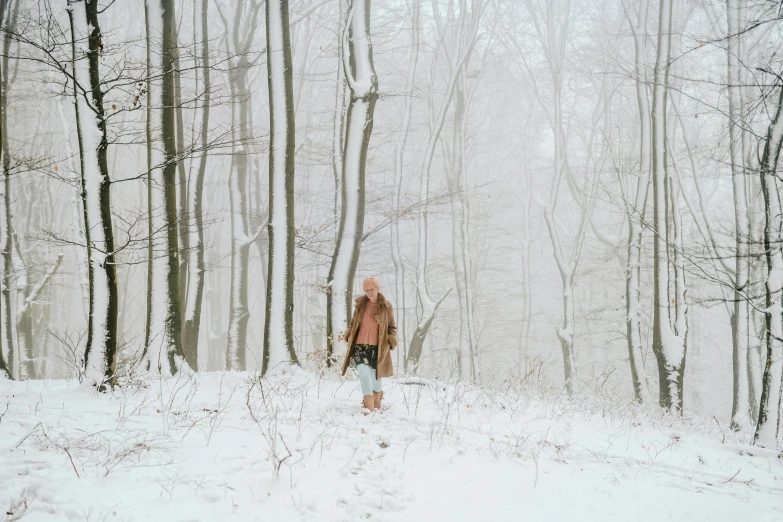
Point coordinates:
pixel 74 465
pixel 25 437
pixel 721 430
pixel 732 477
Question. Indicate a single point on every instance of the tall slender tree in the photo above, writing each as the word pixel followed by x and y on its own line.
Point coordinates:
pixel 278 329
pixel 243 30
pixel 742 402
pixel 363 85
pixel 768 427
pixel 669 307
pixel 195 190
pixel 6 367
pixel 638 23
pixel 164 348
pixel 464 40
pixel 26 295
pixel 101 351
pixel 399 158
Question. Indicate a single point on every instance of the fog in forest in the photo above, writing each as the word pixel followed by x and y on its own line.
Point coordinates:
pixel 578 195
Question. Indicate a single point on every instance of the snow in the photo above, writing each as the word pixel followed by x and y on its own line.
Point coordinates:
pixel 189 449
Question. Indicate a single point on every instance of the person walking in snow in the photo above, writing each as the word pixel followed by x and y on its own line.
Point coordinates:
pixel 371 336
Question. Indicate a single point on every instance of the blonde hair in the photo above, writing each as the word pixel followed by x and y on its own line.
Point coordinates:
pixel 371 281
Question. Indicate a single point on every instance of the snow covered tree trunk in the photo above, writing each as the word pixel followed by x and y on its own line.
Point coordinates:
pixel 768 427
pixel 240 242
pixel 151 8
pixel 24 327
pixel 338 131
pixel 363 85
pixel 668 321
pixel 184 215
pixel 740 316
pixel 460 247
pixel 636 213
pixel 399 266
pixel 428 306
pixel 26 294
pixel 465 39
pixel 565 333
pixel 76 211
pixel 278 328
pixel 195 265
pixel 396 245
pixel 245 18
pixel 164 352
pixel 6 367
pixel 524 273
pixel 101 351
pixel 552 34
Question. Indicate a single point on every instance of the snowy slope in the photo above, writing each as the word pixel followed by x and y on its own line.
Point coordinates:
pixel 191 450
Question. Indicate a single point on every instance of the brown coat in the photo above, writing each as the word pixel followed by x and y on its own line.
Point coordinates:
pixel 387 334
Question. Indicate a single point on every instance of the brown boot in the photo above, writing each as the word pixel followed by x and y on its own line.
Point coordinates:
pixel 369 403
pixel 378 396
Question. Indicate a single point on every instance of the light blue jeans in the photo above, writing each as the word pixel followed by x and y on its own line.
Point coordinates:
pixel 367 379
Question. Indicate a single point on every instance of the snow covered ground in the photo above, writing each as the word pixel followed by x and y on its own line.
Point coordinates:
pixel 226 446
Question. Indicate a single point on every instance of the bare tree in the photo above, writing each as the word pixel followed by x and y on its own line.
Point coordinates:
pixel 26 295
pixel 164 349
pixel 8 22
pixel 363 85
pixel 465 39
pixel 669 313
pixel 195 190
pixel 399 159
pixel 463 42
pixel 278 330
pixel 243 30
pixel 101 351
pixel 768 426
pixel 638 23
pixel 551 33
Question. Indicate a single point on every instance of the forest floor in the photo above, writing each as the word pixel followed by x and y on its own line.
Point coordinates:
pixel 294 446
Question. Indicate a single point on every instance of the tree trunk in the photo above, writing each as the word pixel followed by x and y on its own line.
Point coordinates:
pixel 396 246
pixel 465 40
pixel 164 353
pixel 26 294
pixel 6 367
pixel 399 266
pixel 151 8
pixel 195 266
pixel 460 244
pixel 183 210
pixel 23 321
pixel 668 327
pixel 740 316
pixel 637 212
pixel 101 351
pixel 240 242
pixel 768 426
pixel 338 132
pixel 278 328
pixel 363 84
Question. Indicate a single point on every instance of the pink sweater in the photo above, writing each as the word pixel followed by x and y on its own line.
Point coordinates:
pixel 368 331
